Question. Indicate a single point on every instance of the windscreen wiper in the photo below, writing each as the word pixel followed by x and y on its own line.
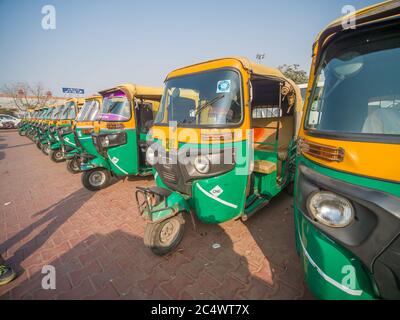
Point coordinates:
pixel 206 105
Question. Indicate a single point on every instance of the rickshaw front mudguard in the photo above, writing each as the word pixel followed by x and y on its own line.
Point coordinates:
pixel 170 205
pixel 74 153
pixel 55 146
pixel 330 271
pixel 95 162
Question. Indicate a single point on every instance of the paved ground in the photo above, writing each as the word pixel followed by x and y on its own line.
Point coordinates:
pixel 94 240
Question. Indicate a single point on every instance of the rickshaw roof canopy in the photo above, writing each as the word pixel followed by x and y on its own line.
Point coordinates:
pixel 133 90
pixel 76 100
pixel 375 13
pixel 250 66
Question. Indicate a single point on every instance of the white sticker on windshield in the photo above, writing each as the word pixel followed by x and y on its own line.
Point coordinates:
pixel 224 86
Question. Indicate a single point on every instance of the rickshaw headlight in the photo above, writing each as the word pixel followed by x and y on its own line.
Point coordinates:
pixel 202 164
pixel 330 209
pixel 151 156
pixel 105 142
pixel 113 140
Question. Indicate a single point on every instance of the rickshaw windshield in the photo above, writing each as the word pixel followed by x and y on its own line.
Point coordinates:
pixel 56 113
pixel 48 113
pixel 68 112
pixel 115 107
pixel 203 99
pixel 89 111
pixel 360 91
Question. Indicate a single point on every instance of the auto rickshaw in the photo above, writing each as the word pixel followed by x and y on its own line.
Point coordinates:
pixel 34 130
pixel 224 146
pixel 81 140
pixel 120 135
pixel 64 127
pixel 25 122
pixel 42 137
pixel 50 136
pixel 347 189
pixel 65 134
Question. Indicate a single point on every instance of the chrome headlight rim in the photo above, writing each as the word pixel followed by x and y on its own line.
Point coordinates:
pixel 332 195
pixel 151 156
pixel 202 164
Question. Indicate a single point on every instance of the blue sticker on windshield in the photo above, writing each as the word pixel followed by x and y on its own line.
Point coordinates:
pixel 224 86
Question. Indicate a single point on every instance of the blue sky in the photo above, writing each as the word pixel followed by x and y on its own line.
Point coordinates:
pixel 99 43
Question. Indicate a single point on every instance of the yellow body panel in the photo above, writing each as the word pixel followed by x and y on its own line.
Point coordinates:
pixel 376 160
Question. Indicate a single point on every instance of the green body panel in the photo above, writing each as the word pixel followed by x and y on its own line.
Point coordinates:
pixel 123 159
pixel 70 141
pixel 171 206
pixel 87 143
pixel 231 202
pixel 325 262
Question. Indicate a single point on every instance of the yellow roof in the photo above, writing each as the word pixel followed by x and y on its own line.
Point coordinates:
pixel 246 63
pixel 78 101
pixel 93 97
pixel 133 90
pixel 374 13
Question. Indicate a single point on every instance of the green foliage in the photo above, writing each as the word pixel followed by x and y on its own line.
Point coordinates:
pixel 294 73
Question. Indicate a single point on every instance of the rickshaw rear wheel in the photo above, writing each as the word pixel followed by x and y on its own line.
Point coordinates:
pixel 45 149
pixel 164 237
pixel 56 155
pixel 96 179
pixel 73 166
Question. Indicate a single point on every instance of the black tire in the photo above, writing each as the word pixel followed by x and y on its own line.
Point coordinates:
pixel 73 166
pixel 88 179
pixel 154 234
pixel 56 155
pixel 39 145
pixel 46 149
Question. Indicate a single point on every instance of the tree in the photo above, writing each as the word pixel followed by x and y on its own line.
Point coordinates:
pixel 26 96
pixel 294 73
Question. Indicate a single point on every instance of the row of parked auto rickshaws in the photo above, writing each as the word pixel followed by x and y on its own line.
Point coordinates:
pixel 226 136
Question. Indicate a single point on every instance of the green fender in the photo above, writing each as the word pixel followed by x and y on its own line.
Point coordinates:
pixel 55 145
pixel 98 162
pixel 171 206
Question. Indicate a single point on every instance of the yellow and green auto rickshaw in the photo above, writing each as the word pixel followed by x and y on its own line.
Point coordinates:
pixel 347 190
pixel 34 129
pixel 80 140
pixel 64 126
pixel 120 134
pixel 224 146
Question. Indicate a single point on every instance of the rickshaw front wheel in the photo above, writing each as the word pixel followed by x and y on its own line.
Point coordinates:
pixel 45 149
pixel 96 179
pixel 56 155
pixel 164 237
pixel 73 166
